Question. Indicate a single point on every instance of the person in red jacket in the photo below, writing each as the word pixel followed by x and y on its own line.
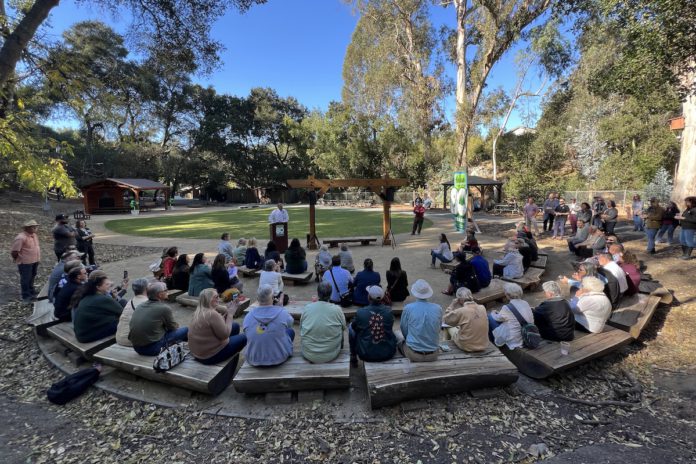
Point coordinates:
pixel 419 215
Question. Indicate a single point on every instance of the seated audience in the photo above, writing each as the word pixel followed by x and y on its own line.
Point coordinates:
pixel 593 308
pixel 463 275
pixel 595 243
pixel 152 326
pixel 295 258
pixel 582 233
pixel 468 322
pixel 526 252
pixel 443 252
pixel 371 333
pixel 139 287
pixel 346 258
pixel 339 278
pixel 225 247
pixel 269 332
pixel 420 325
pixel 503 326
pixel 62 307
pixel 252 258
pixel 233 275
pixel 470 244
pixel 214 336
pixel 323 259
pixel 483 270
pixel 321 327
pixel 273 253
pixel 59 271
pixel 364 279
pixel 200 275
pixel 553 316
pixel 219 274
pixel 168 264
pixel 628 262
pixel 397 281
pixel 510 266
pixel 240 251
pixel 181 274
pixel 271 277
pixel 97 314
pixel 606 262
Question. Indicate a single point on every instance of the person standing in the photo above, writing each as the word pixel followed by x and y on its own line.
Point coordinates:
pixel 418 217
pixel 573 216
pixel 653 221
pixel 530 211
pixel 278 215
pixel 26 253
pixel 561 213
pixel 64 236
pixel 669 223
pixel 610 217
pixel 598 208
pixel 85 238
pixel 637 210
pixel 688 224
pixel 549 212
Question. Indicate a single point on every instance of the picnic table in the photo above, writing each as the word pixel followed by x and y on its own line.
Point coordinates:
pixel 505 208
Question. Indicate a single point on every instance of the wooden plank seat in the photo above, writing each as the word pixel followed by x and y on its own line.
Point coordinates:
pixel 296 308
pixel 541 261
pixel 547 359
pixel 334 242
pixel 65 334
pixel 190 374
pixel 398 379
pixel 493 292
pixel 192 301
pixel 530 279
pixel 295 374
pixel 246 272
pixel 653 287
pixel 42 317
pixel 172 294
pixel 43 294
pixel 297 279
pixel 634 313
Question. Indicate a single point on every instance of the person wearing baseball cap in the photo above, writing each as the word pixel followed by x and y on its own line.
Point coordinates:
pixel 420 325
pixel 26 253
pixel 64 236
pixel 371 335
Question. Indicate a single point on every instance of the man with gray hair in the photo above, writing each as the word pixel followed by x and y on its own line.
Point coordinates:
pixel 594 308
pixel 268 329
pixel 152 326
pixel 139 287
pixel 468 322
pixel 321 327
pixel 503 326
pixel 553 316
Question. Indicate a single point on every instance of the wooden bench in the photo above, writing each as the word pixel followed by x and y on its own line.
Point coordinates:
pixel 246 272
pixel 43 294
pixel 634 313
pixel 334 242
pixel 172 294
pixel 493 292
pixel 192 301
pixel 453 372
pixel 42 317
pixel 79 214
pixel 547 359
pixel 65 334
pixel 653 287
pixel 531 278
pixel 296 308
pixel 190 374
pixel 295 374
pixel 540 263
pixel 297 279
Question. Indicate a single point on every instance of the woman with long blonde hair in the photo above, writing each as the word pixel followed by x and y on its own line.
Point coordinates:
pixel 213 336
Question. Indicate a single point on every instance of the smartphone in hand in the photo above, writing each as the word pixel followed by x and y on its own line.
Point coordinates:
pixel 125 274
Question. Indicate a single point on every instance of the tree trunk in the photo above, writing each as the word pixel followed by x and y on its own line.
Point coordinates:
pixel 17 41
pixel 462 126
pixel 685 181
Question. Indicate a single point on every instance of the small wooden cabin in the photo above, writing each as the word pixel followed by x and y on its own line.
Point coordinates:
pixel 114 195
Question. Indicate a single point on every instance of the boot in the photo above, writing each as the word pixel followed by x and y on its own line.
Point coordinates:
pixel 687 253
pixel 684 248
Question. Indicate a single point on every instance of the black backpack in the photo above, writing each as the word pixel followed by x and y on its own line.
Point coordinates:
pixel 72 386
pixel 531 338
pixel 465 274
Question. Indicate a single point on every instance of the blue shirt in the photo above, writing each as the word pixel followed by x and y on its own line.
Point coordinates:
pixel 343 280
pixel 268 341
pixel 483 271
pixel 364 279
pixel 420 324
pixel 226 248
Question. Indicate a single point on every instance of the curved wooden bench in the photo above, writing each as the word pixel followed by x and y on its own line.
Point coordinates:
pixel 192 301
pixel 246 272
pixel 634 312
pixel 65 334
pixel 334 242
pixel 297 279
pixel 453 372
pixel 296 308
pixel 530 279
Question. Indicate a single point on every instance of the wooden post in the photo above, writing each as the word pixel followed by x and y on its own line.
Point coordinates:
pixel 386 222
pixel 313 240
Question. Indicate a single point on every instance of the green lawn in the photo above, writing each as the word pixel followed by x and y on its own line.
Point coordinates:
pixel 335 222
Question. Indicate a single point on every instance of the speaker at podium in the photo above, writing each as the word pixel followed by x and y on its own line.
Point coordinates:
pixel 279 235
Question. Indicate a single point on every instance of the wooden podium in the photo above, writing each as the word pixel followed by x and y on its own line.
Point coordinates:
pixel 279 235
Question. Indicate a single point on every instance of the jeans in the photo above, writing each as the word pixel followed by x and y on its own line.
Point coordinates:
pixel 573 223
pixel 497 269
pixel 492 325
pixel 609 227
pixel 439 256
pixel 531 222
pixel 571 246
pixel 559 226
pixel 235 344
pixel 597 221
pixel 173 336
pixel 637 223
pixel 686 237
pixel 548 219
pixel 669 228
pixel 27 274
pixel 417 225
pixel 651 234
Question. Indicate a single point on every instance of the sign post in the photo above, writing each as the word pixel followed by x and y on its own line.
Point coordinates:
pixel 459 198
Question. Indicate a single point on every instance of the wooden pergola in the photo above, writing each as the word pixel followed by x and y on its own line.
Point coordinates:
pixel 381 186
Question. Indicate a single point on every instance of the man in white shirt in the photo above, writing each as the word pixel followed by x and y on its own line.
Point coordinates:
pixel 594 308
pixel 278 215
pixel 607 262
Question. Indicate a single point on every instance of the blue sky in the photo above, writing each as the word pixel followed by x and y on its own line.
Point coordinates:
pixel 293 46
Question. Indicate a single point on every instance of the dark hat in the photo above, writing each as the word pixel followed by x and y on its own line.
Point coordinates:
pixel 61 217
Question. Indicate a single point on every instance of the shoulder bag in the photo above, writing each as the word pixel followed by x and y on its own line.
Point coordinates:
pixel 530 332
pixel 347 297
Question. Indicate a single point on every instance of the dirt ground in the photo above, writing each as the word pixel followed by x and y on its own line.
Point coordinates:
pixel 523 423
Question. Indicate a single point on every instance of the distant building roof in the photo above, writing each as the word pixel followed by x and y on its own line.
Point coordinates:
pixel 476 180
pixel 138 184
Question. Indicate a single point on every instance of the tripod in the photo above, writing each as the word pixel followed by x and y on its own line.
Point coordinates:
pixel 390 234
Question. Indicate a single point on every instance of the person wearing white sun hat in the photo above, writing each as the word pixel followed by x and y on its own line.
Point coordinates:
pixel 420 325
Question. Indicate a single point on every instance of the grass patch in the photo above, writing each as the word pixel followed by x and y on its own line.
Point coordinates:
pixel 331 222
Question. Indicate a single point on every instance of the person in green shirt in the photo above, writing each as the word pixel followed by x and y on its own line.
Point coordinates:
pixel 152 325
pixel 97 314
pixel 321 327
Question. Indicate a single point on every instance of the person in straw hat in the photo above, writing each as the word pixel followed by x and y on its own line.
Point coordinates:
pixel 26 253
pixel 420 325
